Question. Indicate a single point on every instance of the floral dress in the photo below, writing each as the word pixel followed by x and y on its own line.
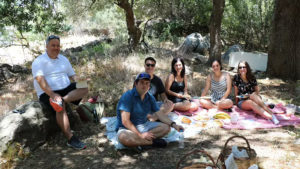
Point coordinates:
pixel 243 87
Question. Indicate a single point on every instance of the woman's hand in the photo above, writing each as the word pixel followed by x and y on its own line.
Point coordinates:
pixel 179 95
pixel 187 96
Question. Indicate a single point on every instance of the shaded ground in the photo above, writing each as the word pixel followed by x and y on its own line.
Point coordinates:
pixel 275 147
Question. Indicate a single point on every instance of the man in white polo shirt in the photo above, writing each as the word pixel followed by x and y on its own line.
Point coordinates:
pixel 53 73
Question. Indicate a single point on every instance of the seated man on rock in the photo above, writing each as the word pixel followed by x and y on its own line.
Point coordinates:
pixel 52 73
pixel 134 129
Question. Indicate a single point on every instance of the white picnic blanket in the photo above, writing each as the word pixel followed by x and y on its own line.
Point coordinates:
pixel 190 130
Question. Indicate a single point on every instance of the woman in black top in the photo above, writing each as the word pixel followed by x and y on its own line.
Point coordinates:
pixel 176 87
pixel 245 85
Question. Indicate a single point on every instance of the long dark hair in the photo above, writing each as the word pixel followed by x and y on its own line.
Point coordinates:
pixel 217 60
pixel 249 74
pixel 173 69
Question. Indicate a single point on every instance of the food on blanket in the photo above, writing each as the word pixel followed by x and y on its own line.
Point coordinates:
pixel 218 122
pixel 201 118
pixel 186 120
pixel 197 125
pixel 222 116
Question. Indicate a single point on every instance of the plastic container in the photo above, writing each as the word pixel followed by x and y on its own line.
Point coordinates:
pixel 234 117
pixel 181 139
pixel 290 109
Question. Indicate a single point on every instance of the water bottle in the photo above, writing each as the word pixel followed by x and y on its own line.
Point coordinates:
pixel 181 139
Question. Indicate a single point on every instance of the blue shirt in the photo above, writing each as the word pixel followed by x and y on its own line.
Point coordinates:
pixel 139 109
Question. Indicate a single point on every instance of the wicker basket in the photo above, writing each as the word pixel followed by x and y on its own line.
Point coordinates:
pixel 242 163
pixel 197 165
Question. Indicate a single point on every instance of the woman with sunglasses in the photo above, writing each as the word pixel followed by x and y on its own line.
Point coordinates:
pixel 176 87
pixel 247 93
pixel 220 85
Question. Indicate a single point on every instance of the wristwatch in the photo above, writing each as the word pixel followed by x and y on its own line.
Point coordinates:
pixel 172 123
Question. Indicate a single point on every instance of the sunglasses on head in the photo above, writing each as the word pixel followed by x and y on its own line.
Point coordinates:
pixel 242 67
pixel 152 65
pixel 53 37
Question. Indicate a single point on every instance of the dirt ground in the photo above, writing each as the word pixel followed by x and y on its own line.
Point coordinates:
pixel 275 148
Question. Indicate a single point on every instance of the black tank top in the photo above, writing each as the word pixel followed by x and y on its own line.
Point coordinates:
pixel 177 87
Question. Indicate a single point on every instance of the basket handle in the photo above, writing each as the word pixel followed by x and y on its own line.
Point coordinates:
pixel 222 155
pixel 193 152
pixel 242 137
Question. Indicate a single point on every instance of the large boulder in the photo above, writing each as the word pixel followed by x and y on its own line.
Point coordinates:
pixel 9 73
pixel 194 43
pixel 234 48
pixel 30 126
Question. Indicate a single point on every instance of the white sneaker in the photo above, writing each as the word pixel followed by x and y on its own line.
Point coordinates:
pixel 274 119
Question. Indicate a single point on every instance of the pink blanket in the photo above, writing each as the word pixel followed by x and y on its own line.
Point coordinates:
pixel 249 120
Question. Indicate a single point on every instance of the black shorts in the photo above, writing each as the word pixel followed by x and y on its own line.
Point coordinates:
pixel 44 98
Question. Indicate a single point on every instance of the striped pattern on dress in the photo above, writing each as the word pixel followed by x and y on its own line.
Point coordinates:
pixel 218 88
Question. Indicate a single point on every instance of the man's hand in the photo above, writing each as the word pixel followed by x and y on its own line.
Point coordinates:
pixel 177 127
pixel 56 97
pixel 148 136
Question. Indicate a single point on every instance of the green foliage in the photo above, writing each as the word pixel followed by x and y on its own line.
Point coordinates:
pixel 31 15
pixel 171 31
pixel 247 22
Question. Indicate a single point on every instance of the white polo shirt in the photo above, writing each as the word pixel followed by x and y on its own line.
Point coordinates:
pixel 55 71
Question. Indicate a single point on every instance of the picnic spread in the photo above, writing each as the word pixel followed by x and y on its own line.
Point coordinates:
pixel 202 119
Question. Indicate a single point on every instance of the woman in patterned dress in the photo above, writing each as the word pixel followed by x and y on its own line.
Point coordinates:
pixel 245 85
pixel 219 83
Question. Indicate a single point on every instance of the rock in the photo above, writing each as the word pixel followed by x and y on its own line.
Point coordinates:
pixel 31 128
pixel 234 48
pixel 9 73
pixel 194 43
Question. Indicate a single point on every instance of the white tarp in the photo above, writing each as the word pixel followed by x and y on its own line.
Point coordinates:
pixel 257 61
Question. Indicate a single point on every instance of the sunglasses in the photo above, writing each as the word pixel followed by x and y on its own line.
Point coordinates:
pixel 242 67
pixel 152 65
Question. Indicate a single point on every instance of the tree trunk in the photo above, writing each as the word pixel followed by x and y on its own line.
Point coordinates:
pixel 215 30
pixel 133 31
pixel 284 47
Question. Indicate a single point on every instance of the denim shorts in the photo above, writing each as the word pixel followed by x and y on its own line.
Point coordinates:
pixel 142 128
pixel 240 103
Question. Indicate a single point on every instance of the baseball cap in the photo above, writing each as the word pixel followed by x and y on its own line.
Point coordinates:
pixel 143 76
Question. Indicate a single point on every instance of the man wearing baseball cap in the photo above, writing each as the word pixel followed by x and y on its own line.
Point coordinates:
pixel 134 129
